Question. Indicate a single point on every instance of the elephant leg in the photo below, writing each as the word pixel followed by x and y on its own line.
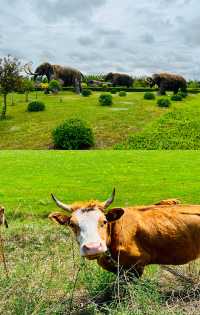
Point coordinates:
pixel 175 91
pixel 162 89
pixel 80 87
pixel 77 86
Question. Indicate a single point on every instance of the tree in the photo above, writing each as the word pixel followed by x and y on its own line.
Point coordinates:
pixel 27 86
pixel 9 79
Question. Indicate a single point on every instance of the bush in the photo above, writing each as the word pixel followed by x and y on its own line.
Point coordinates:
pixel 122 93
pixel 105 99
pixel 86 92
pixel 73 134
pixel 163 102
pixel 45 79
pixel 54 86
pixel 176 98
pixel 105 87
pixel 84 85
pixel 183 94
pixel 113 91
pixel 36 106
pixel 149 96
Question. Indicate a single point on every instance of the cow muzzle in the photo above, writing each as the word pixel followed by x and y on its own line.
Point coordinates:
pixel 92 250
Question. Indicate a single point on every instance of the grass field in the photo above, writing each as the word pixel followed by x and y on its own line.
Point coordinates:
pixel 111 125
pixel 140 177
pixel 46 274
pixel 178 129
pixel 130 123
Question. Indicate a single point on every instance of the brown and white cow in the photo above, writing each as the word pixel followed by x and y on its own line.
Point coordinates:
pixel 164 233
pixel 2 217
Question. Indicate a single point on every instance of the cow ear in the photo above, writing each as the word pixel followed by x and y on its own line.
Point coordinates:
pixel 114 214
pixel 59 218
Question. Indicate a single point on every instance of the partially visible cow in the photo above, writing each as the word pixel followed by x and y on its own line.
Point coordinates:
pixel 164 233
pixel 2 217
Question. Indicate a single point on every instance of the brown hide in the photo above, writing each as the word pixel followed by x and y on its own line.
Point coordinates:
pixel 159 234
pixel 2 217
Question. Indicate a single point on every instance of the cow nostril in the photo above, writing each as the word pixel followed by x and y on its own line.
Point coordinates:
pixel 91 246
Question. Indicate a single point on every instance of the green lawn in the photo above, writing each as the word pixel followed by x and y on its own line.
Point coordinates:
pixel 46 274
pixel 177 129
pixel 130 123
pixel 111 125
pixel 28 177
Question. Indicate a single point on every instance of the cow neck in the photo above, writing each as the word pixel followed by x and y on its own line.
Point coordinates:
pixel 109 235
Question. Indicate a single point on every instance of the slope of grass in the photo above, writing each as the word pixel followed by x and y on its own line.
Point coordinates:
pixel 46 274
pixel 24 130
pixel 178 129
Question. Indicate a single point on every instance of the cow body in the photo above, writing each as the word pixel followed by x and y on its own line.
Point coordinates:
pixel 166 233
pixel 162 234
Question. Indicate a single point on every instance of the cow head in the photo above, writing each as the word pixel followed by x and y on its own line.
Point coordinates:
pixel 89 222
pixel 2 217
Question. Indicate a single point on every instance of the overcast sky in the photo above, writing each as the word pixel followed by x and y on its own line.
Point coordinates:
pixel 135 36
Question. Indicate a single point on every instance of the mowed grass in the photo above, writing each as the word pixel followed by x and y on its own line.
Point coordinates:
pixel 46 274
pixel 176 129
pixel 111 125
pixel 141 177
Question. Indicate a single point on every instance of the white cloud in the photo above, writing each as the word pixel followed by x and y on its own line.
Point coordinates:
pixel 141 36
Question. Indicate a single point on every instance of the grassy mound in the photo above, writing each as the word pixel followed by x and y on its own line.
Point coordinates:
pixel 175 130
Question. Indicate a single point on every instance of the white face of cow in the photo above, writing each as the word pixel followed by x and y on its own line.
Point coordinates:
pixel 90 226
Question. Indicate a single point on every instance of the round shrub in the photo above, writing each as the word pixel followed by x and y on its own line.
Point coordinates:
pixel 86 92
pixel 176 98
pixel 84 85
pixel 113 91
pixel 104 87
pixel 73 134
pixel 163 102
pixel 36 106
pixel 105 99
pixel 149 96
pixel 183 94
pixel 122 93
pixel 54 86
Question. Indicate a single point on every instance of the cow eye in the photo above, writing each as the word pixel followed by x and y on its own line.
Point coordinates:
pixel 103 223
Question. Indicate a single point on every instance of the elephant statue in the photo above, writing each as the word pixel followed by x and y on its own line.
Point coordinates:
pixel 167 82
pixel 68 76
pixel 119 79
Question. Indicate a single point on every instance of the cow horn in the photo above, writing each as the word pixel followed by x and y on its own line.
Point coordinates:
pixel 110 200
pixel 61 205
pixel 27 69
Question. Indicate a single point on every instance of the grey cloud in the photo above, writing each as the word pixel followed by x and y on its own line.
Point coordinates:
pixel 105 35
pixel 85 40
pixel 52 11
pixel 148 38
